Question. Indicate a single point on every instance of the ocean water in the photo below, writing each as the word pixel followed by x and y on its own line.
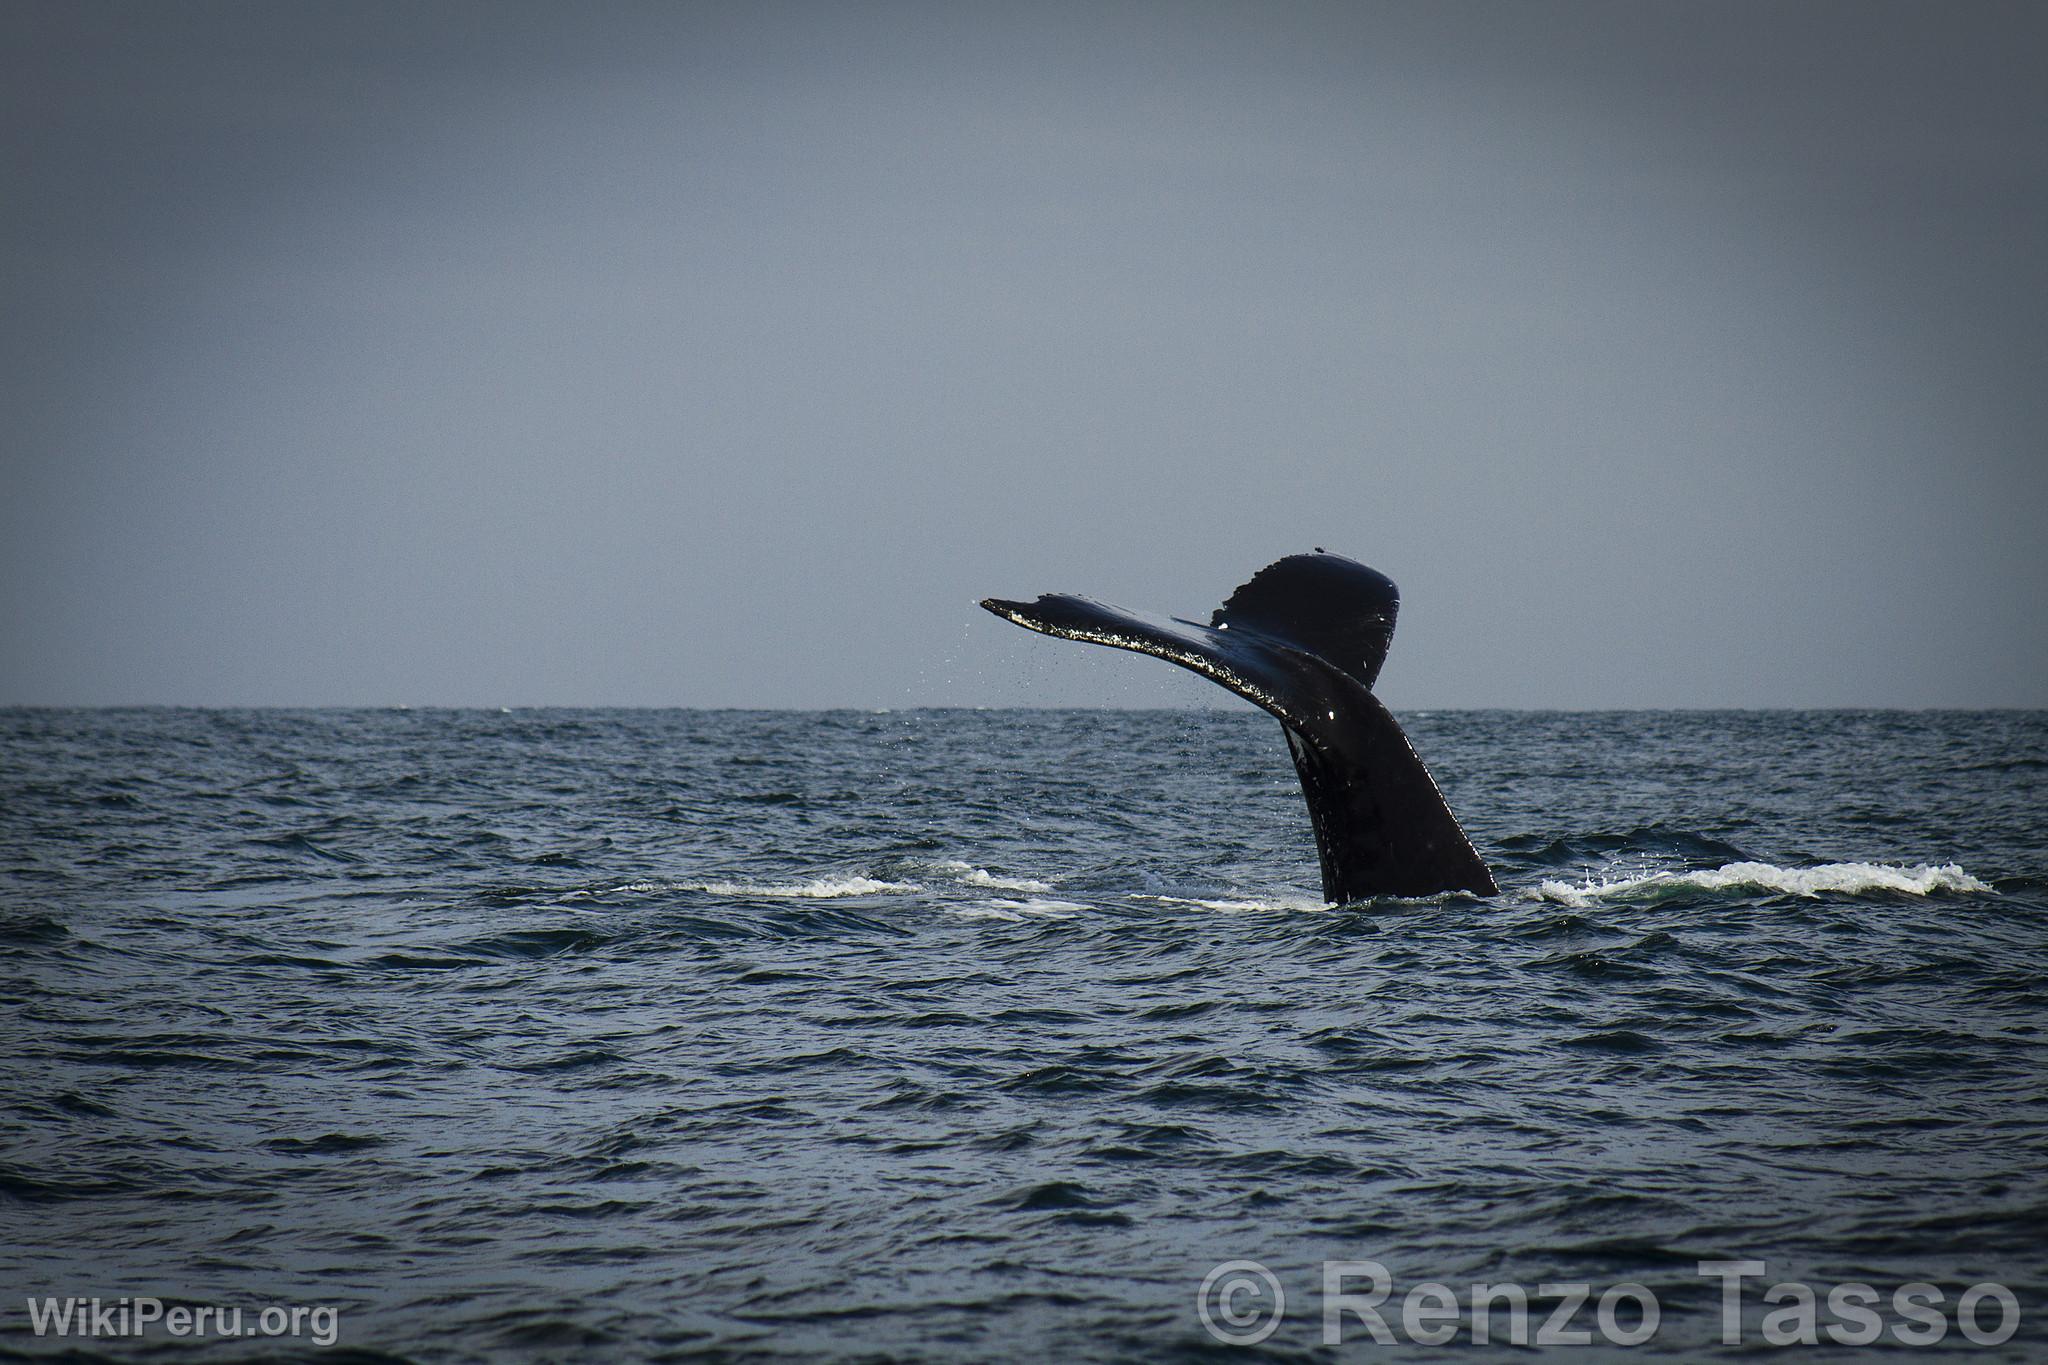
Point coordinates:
pixel 942 1035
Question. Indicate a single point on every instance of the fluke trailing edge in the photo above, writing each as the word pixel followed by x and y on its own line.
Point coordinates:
pixel 1304 639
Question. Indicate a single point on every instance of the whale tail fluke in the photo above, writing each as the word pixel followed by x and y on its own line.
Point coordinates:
pixel 1304 639
pixel 1324 604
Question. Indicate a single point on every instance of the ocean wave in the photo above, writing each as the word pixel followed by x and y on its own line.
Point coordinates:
pixel 1019 911
pixel 1840 878
pixel 1239 905
pixel 970 875
pixel 818 889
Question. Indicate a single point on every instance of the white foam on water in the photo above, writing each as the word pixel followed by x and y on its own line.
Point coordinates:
pixel 1844 878
pixel 970 875
pixel 1294 904
pixel 823 888
pixel 1050 909
pixel 977 877
pixel 1019 911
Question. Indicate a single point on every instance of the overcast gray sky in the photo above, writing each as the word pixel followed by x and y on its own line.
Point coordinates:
pixel 723 355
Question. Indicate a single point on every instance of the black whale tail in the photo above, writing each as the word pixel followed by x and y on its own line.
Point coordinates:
pixel 1304 639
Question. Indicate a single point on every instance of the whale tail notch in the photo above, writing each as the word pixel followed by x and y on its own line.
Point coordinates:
pixel 1304 639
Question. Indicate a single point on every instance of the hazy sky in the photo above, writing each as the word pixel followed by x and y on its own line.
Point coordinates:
pixel 724 355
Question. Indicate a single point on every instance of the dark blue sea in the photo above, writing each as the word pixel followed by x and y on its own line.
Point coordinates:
pixel 990 1035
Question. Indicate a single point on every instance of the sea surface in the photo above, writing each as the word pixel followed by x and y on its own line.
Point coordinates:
pixel 988 1035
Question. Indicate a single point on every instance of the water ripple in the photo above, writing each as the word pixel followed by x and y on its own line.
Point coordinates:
pixel 938 1035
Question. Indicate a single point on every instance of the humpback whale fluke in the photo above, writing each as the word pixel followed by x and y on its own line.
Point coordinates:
pixel 1304 639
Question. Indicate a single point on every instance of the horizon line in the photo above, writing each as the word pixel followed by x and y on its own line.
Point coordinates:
pixel 513 708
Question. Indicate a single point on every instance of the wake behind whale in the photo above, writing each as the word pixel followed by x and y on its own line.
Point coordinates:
pixel 1304 639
